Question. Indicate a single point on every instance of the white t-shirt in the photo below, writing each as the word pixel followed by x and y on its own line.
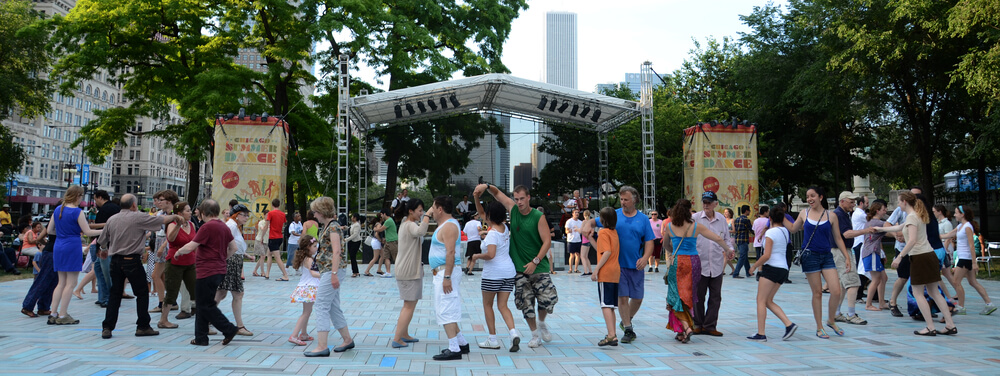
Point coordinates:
pixel 501 266
pixel 241 245
pixel 471 230
pixel 463 207
pixel 574 236
pixel 569 205
pixel 944 227
pixel 292 229
pixel 779 237
pixel 897 218
pixel 858 222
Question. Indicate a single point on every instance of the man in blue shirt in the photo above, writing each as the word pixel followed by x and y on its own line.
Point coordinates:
pixel 635 244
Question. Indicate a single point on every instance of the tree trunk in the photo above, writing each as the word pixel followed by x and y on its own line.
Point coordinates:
pixel 984 217
pixel 392 170
pixel 194 181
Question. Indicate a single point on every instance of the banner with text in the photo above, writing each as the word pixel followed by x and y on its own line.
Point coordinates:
pixel 721 159
pixel 250 166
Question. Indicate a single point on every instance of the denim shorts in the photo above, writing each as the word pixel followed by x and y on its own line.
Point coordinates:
pixel 814 261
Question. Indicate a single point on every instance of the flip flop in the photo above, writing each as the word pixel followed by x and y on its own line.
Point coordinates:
pixel 836 329
pixel 281 280
pixel 256 275
pixel 822 334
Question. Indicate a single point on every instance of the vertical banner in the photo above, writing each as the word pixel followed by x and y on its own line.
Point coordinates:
pixel 250 165
pixel 721 159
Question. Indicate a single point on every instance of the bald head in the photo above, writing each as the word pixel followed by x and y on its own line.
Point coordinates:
pixel 209 208
pixel 129 202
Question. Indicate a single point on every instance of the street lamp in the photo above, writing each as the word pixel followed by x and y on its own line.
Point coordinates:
pixel 139 192
pixel 68 171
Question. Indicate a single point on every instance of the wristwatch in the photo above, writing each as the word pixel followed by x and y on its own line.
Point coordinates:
pixel 334 273
pixel 447 277
pixel 536 261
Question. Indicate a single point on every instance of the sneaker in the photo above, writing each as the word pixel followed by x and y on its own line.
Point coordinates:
pixel 489 344
pixel 988 310
pixel 648 271
pixel 628 337
pixel 608 341
pixel 758 338
pixel 534 342
pixel 789 331
pixel 515 343
pixel 959 311
pixel 68 320
pixel 387 275
pixel 894 310
pixel 840 318
pixel 857 320
pixel 657 270
pixel 544 330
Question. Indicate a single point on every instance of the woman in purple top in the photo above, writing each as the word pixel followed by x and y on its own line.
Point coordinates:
pixel 68 223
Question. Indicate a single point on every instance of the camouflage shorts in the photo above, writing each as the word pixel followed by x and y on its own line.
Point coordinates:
pixel 531 288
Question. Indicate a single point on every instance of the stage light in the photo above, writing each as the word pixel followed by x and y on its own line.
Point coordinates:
pixel 434 106
pixel 253 117
pixel 597 115
pixel 409 108
pixel 399 111
pixel 444 103
pixel 552 104
pixel 263 117
pixel 454 101
pixel 586 110
pixel 576 108
pixel 421 107
pixel 542 103
pixel 564 106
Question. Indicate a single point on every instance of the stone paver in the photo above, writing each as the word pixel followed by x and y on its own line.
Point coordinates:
pixel 884 346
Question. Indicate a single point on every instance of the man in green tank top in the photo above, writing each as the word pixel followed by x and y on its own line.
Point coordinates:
pixel 528 248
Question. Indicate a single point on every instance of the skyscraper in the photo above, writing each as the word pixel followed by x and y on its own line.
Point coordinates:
pixel 559 58
pixel 489 160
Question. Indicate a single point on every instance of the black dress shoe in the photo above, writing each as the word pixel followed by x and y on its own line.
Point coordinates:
pixel 448 355
pixel 196 343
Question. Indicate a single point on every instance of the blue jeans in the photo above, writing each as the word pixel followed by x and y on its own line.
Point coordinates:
pixel 102 270
pixel 291 253
pixel 40 293
pixel 743 262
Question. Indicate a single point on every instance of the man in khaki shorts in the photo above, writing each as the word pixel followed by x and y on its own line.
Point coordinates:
pixel 391 247
pixel 529 243
pixel 848 278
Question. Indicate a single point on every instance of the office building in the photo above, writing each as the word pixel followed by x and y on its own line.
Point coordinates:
pixel 488 160
pixel 559 59
pixel 522 175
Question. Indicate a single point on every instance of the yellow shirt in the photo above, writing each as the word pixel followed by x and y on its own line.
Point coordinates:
pixel 4 218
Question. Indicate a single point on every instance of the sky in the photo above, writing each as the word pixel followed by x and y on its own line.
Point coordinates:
pixel 614 40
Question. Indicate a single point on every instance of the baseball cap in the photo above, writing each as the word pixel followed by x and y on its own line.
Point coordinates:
pixel 239 208
pixel 6 205
pixel 847 195
pixel 709 196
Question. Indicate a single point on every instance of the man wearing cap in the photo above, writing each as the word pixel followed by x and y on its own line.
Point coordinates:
pixel 848 277
pixel 713 261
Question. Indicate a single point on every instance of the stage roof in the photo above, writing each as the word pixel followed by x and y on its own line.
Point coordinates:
pixel 493 93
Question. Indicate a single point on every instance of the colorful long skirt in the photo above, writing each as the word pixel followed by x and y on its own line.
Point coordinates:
pixel 682 282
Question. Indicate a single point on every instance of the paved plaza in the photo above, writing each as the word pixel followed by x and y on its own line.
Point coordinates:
pixel 884 346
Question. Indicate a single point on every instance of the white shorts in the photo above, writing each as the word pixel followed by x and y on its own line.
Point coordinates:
pixel 447 307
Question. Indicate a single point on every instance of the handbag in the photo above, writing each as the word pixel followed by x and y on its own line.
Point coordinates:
pixel 22 260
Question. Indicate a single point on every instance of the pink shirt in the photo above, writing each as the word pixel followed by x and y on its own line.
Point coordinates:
pixel 655 224
pixel 760 226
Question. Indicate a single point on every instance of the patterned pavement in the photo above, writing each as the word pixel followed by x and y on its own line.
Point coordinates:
pixel 884 346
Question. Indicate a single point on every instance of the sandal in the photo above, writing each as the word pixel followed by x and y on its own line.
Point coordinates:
pixel 256 275
pixel 281 280
pixel 355 275
pixel 836 330
pixel 369 275
pixel 167 326
pixel 306 338
pixel 608 341
pixel 687 335
pixel 928 333
pixel 948 331
pixel 296 341
pixel 822 334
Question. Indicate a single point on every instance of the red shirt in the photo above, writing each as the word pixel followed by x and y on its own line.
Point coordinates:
pixel 276 219
pixel 213 240
pixel 179 241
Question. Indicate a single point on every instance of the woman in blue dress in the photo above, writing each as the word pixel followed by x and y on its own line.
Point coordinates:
pixel 68 223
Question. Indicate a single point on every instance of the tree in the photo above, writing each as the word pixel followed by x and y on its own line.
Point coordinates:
pixel 162 54
pixel 812 130
pixel 417 42
pixel 26 90
pixel 894 47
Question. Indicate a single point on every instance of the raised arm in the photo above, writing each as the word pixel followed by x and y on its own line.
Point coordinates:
pixel 797 225
pixel 172 230
pixel 499 196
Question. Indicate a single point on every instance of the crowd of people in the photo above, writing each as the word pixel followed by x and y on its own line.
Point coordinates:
pixel 197 254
